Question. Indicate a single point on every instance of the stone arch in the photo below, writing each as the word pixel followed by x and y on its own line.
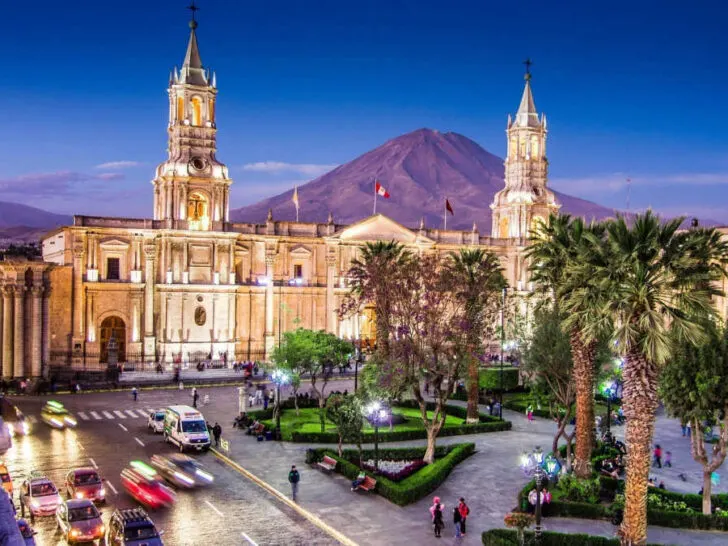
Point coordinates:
pixel 116 326
pixel 196 104
pixel 198 210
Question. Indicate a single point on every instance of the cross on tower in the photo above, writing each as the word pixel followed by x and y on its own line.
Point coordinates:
pixel 528 63
pixel 193 8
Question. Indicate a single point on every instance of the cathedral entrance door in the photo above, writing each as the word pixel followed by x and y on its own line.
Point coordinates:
pixel 116 326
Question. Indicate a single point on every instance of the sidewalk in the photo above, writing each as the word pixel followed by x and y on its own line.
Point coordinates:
pixel 489 482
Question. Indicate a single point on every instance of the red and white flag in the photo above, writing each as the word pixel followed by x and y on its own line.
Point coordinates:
pixel 381 190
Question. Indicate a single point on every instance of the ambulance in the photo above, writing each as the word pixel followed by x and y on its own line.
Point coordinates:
pixel 186 428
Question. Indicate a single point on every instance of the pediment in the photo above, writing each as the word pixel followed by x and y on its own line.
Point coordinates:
pixel 380 228
pixel 301 251
pixel 114 243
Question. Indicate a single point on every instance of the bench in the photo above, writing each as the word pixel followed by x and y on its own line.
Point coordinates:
pixel 328 464
pixel 368 484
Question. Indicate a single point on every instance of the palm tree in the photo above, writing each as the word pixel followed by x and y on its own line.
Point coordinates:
pixel 477 276
pixel 371 276
pixel 554 251
pixel 661 281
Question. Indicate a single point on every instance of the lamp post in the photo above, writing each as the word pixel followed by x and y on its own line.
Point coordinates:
pixel 377 414
pixel 502 344
pixel 532 465
pixel 279 377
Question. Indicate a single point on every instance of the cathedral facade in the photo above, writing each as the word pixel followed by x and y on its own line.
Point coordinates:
pixel 189 285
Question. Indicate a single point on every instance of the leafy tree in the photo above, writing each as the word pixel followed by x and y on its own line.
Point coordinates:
pixel 291 356
pixel 478 279
pixel 547 359
pixel 371 277
pixel 347 414
pixel 694 388
pixel 660 281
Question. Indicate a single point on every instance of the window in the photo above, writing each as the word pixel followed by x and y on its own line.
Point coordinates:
pixel 297 271
pixel 112 269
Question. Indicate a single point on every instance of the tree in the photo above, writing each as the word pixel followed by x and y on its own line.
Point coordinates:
pixel 347 414
pixel 547 357
pixel 478 279
pixel 555 253
pixel 660 283
pixel 371 277
pixel 694 388
pixel 328 352
pixel 429 341
pixel 292 356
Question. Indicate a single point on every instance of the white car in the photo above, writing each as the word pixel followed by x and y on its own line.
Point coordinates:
pixel 39 496
pixel 155 422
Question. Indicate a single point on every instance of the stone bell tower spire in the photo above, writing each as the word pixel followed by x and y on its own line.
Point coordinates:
pixel 191 188
pixel 525 198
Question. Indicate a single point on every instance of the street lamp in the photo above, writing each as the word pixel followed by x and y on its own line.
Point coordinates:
pixel 532 465
pixel 377 415
pixel 503 342
pixel 610 393
pixel 279 377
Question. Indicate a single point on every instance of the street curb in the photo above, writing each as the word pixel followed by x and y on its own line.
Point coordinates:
pixel 313 518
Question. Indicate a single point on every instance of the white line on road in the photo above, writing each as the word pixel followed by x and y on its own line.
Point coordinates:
pixel 213 507
pixel 138 441
pixel 123 428
pixel 119 414
pixel 83 416
pixel 107 415
pixel 93 463
pixel 112 487
pixel 250 540
pixel 95 416
pixel 130 413
pixel 150 410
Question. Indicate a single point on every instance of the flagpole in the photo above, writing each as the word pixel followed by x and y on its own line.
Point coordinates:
pixel 445 214
pixel 375 196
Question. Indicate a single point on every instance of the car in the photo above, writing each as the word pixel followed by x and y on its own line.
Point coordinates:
pixel 55 415
pixel 145 485
pixel 132 528
pixel 15 420
pixel 27 532
pixel 79 521
pixel 39 495
pixel 155 422
pixel 85 483
pixel 6 480
pixel 181 470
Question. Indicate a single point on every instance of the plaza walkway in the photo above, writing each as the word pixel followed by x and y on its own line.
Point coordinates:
pixel 489 481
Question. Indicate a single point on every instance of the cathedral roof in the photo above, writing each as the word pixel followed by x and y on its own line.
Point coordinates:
pixel 192 71
pixel 527 116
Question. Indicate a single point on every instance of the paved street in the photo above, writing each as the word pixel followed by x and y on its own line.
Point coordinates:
pixel 488 480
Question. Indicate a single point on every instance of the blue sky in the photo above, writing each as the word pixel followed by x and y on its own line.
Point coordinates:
pixel 631 89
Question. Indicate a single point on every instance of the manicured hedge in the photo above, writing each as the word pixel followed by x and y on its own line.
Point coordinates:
pixel 412 488
pixel 509 537
pixel 489 378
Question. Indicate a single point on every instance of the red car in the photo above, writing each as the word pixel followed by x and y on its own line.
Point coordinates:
pixel 145 485
pixel 85 483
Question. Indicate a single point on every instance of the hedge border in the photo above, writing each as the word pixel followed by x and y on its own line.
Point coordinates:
pixel 412 488
pixel 487 424
pixel 509 537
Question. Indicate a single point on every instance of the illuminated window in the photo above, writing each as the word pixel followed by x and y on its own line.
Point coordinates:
pixel 180 108
pixel 196 111
pixel 503 228
pixel 212 110
pixel 534 148
pixel 198 212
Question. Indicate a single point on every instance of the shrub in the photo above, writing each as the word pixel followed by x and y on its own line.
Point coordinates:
pixel 578 490
pixel 489 378
pixel 411 488
pixel 509 537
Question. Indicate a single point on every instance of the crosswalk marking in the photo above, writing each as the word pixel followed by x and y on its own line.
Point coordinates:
pixel 95 416
pixel 150 410
pixel 131 413
pixel 119 414
pixel 83 416
pixel 107 415
pixel 89 415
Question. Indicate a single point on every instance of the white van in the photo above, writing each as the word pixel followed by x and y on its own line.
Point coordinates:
pixel 186 428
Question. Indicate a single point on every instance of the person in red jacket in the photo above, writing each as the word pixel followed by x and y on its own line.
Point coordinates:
pixel 464 511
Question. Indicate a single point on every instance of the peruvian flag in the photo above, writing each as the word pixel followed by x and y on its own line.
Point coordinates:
pixel 381 190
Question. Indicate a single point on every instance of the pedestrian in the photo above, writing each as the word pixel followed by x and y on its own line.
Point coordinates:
pixel 684 427
pixel 217 432
pixel 265 401
pixel 464 510
pixel 135 393
pixel 668 459
pixel 457 521
pixel 690 428
pixel 657 456
pixel 195 396
pixel 529 413
pixel 294 477
pixel 437 520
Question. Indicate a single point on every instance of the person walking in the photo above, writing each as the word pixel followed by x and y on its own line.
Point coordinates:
pixel 529 413
pixel 135 393
pixel 195 396
pixel 293 478
pixel 216 433
pixel 437 520
pixel 464 510
pixel 668 459
pixel 657 456
pixel 457 521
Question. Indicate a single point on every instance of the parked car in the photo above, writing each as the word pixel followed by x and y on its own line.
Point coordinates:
pixel 85 483
pixel 132 528
pixel 181 470
pixel 55 415
pixel 155 422
pixel 39 495
pixel 79 521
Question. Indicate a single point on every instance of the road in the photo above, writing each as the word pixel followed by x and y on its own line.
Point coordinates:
pixel 112 431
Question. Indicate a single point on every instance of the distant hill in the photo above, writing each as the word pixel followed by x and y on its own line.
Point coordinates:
pixel 419 169
pixel 21 223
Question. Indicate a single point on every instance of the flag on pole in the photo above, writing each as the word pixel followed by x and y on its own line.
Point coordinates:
pixel 448 207
pixel 295 200
pixel 381 190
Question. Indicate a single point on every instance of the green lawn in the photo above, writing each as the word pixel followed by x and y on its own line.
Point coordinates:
pixel 308 421
pixel 523 399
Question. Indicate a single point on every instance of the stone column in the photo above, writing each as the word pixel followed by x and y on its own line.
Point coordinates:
pixel 269 339
pixel 150 255
pixel 78 306
pixel 7 331
pixel 36 333
pixel 331 317
pixel 19 337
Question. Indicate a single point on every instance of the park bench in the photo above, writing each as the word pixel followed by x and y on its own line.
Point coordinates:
pixel 368 484
pixel 328 464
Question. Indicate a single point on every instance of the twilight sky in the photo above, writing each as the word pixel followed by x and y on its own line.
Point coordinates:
pixel 631 89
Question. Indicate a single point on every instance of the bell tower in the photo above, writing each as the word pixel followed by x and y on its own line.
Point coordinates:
pixel 525 198
pixel 192 185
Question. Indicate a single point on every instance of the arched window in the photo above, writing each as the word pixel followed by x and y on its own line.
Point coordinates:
pixel 196 111
pixel 503 228
pixel 180 109
pixel 198 212
pixel 534 148
pixel 212 110
pixel 113 326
